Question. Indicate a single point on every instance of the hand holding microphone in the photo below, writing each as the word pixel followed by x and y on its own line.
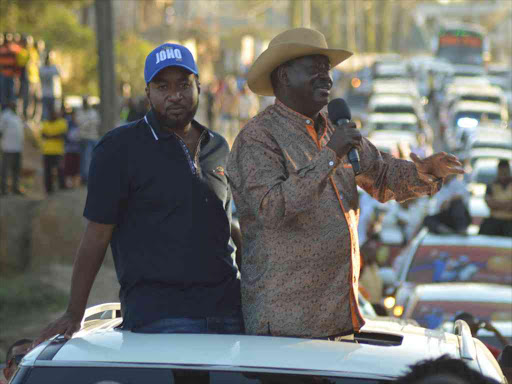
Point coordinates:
pixel 347 138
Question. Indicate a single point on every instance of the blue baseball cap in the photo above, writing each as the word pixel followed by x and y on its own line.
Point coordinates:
pixel 168 55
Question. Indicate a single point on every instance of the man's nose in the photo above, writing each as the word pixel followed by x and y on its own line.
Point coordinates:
pixel 175 95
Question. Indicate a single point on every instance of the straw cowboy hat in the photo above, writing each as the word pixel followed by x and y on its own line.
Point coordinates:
pixel 286 46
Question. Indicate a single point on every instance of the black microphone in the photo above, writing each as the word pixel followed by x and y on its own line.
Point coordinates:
pixel 339 114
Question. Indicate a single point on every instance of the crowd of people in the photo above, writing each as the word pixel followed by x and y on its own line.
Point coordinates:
pixel 31 100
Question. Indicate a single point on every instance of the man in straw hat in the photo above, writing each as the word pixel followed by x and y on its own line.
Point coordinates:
pixel 297 196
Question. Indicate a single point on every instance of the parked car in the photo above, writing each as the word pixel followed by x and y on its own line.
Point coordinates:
pixel 431 305
pixel 381 352
pixel 431 258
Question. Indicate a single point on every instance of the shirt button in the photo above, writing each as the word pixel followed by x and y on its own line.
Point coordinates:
pixel 308 121
pixel 331 163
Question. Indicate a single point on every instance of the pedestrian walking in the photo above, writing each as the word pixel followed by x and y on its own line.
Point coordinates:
pixel 50 85
pixel 53 133
pixel 88 120
pixel 12 137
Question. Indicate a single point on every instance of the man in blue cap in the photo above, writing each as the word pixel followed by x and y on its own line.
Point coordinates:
pixel 158 194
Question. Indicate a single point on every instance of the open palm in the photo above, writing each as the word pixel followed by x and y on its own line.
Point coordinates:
pixel 439 164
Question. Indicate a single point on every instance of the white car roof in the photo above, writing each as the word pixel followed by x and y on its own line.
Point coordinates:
pixel 484 90
pixel 398 69
pixel 389 100
pixel 403 118
pixel 473 292
pixel 477 106
pixel 469 241
pixel 496 153
pixel 486 163
pixel 262 352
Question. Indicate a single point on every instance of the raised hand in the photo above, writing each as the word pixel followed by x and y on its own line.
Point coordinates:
pixel 439 164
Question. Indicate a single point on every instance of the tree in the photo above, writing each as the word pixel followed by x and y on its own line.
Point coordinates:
pixel 56 23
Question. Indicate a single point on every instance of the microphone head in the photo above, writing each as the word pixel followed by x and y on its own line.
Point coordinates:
pixel 338 109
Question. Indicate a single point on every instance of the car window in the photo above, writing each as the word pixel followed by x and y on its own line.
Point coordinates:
pixel 432 314
pixel 442 263
pixel 394 109
pixel 118 375
pixel 485 175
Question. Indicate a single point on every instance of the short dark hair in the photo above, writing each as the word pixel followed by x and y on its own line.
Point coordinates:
pixel 9 356
pixel 444 365
pixel 442 379
pixel 503 163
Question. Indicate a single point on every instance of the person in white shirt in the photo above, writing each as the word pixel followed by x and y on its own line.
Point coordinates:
pixel 51 86
pixel 12 137
pixel 451 203
pixel 88 121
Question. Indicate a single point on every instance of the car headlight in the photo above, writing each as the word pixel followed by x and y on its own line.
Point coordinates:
pixel 398 311
pixel 389 302
pixel 467 122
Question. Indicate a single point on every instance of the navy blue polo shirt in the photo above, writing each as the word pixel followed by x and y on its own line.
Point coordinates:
pixel 171 243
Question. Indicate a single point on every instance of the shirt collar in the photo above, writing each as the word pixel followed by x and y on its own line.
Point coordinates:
pixel 299 118
pixel 159 134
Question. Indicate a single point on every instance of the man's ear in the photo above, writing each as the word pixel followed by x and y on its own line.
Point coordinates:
pixel 147 91
pixel 198 83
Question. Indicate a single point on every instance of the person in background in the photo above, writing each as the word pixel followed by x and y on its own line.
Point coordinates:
pixel 50 85
pixel 475 325
pixel 12 138
pixel 30 86
pixel 72 149
pixel 211 104
pixel 248 105
pixel 456 369
pixel 498 197
pixel 22 58
pixel 8 70
pixel 88 121
pixel 54 131
pixel 15 353
pixel 370 280
pixel 505 361
pixel 229 108
pixel 451 207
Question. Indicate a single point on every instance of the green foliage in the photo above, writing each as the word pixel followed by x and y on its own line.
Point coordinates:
pixel 131 52
pixel 56 22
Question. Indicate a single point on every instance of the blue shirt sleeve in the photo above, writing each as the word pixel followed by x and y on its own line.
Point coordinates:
pixel 107 182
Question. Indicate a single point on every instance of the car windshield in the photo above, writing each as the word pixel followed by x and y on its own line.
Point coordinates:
pixel 122 375
pixel 477 116
pixel 394 109
pixel 431 314
pixel 484 175
pixel 443 263
pixel 489 99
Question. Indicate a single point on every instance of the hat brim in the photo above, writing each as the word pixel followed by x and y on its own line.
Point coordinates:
pixel 171 65
pixel 258 78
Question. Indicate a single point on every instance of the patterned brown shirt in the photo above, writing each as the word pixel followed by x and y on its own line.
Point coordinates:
pixel 299 210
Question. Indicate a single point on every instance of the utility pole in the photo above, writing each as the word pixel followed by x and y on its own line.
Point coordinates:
pixel 106 66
